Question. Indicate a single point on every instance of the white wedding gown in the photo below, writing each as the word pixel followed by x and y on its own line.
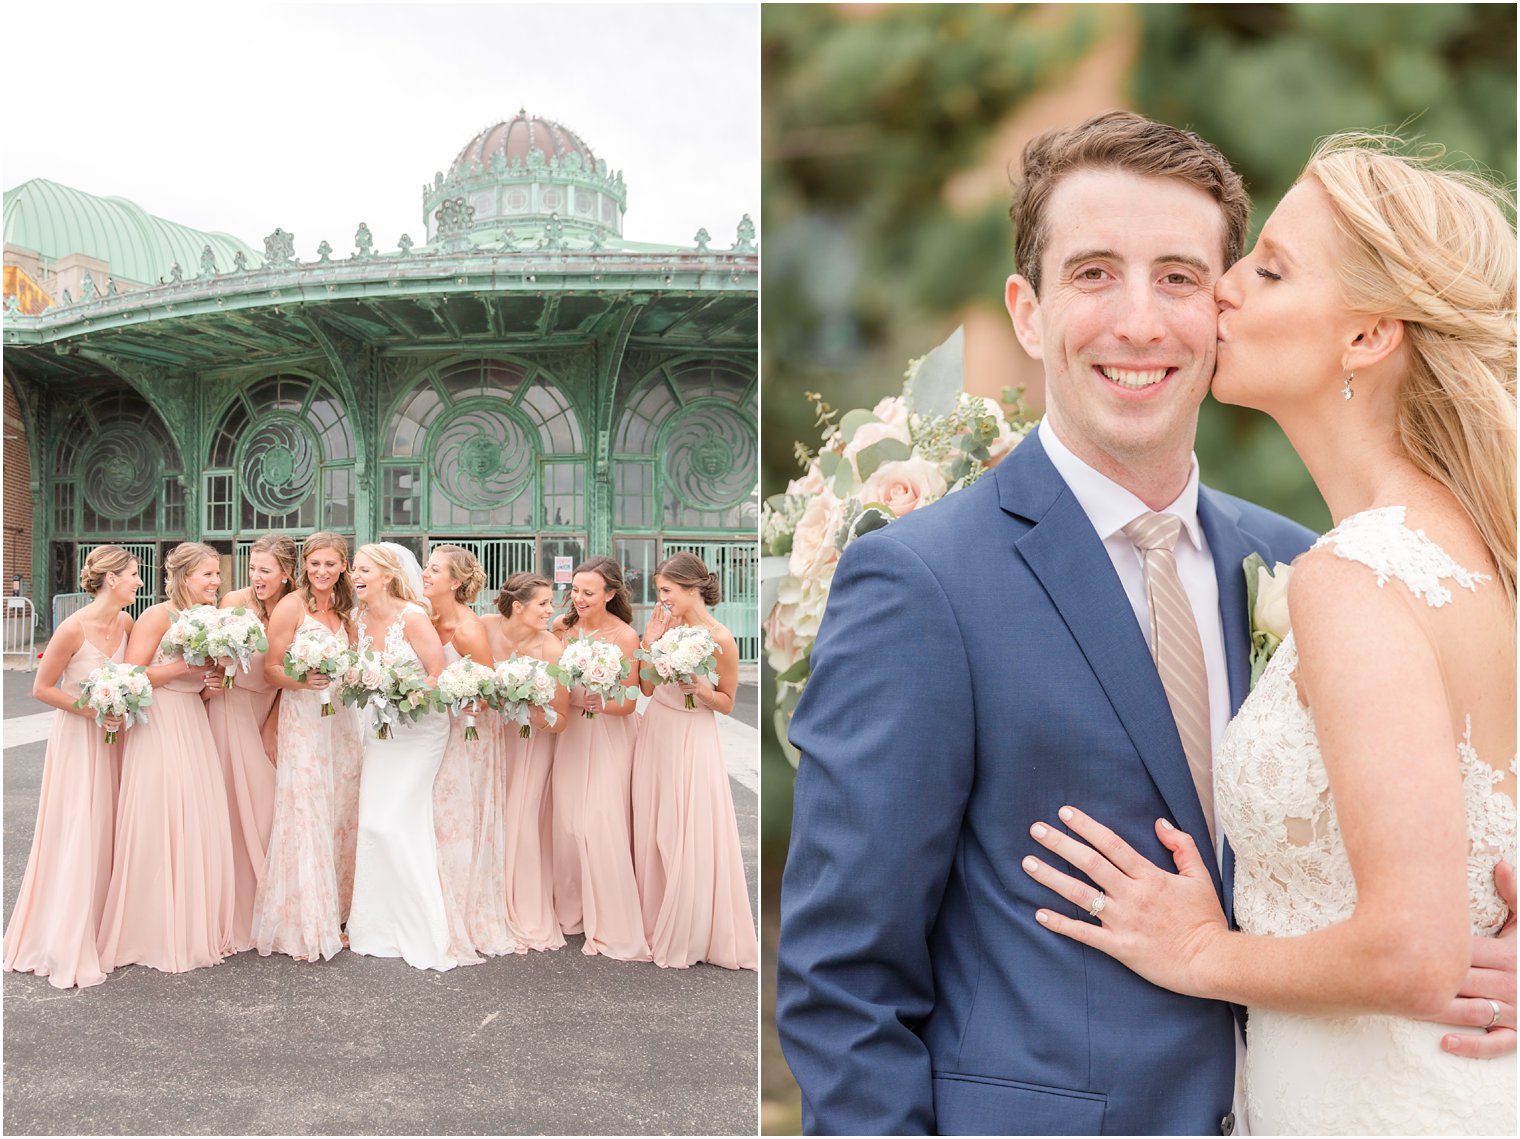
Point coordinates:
pixel 398 900
pixel 1370 1074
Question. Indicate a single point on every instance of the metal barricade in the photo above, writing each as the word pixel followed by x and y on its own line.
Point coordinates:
pixel 66 604
pixel 20 633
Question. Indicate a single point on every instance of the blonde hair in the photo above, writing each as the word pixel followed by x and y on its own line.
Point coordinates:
pixel 283 550
pixel 343 588
pixel 181 560
pixel 101 561
pixel 1433 248
pixel 464 568
pixel 387 562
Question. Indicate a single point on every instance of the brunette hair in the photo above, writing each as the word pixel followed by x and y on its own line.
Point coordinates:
pixel 1124 141
pixel 343 588
pixel 690 572
pixel 464 567
pixel 101 561
pixel 283 550
pixel 1434 249
pixel 181 560
pixel 620 604
pixel 519 590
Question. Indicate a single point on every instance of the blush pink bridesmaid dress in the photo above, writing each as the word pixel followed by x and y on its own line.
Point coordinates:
pixel 594 887
pixel 170 902
pixel 56 921
pixel 527 819
pixel 687 857
pixel 237 718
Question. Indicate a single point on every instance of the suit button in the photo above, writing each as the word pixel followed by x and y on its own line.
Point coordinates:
pixel 1227 1124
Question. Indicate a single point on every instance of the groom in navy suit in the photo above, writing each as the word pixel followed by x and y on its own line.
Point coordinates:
pixel 985 661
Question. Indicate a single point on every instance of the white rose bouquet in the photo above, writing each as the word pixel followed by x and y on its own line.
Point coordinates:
pixel 599 667
pixel 525 683
pixel 235 637
pixel 1267 599
pixel 117 690
pixel 874 467
pixel 189 632
pixel 462 686
pixel 680 656
pixel 394 687
pixel 321 651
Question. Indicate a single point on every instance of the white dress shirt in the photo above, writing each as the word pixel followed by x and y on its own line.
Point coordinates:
pixel 1109 507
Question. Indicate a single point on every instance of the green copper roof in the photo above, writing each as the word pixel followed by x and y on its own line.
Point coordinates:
pixel 56 220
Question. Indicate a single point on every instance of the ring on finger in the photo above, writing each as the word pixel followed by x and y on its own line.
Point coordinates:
pixel 1493 1020
pixel 1095 907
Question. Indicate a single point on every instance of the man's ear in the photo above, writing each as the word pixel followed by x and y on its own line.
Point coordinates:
pixel 1024 311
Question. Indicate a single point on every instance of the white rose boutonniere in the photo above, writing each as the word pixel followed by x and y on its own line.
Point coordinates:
pixel 1267 598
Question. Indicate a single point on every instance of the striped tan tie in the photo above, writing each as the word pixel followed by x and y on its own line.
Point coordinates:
pixel 1177 648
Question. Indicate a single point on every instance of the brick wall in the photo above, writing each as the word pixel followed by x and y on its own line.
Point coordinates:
pixel 16 541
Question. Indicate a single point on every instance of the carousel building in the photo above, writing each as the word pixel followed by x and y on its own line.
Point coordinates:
pixel 524 381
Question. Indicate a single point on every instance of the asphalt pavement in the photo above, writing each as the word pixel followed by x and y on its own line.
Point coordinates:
pixel 542 1043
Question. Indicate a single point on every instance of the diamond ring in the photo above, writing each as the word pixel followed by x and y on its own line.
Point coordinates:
pixel 1101 900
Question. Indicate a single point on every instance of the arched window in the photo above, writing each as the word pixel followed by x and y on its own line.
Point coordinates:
pixel 281 458
pixel 489 445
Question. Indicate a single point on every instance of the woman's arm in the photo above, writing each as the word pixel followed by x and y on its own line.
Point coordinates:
pixel 658 625
pixel 470 640
pixel 1384 729
pixel 146 636
pixel 553 648
pixel 627 642
pixel 283 623
pixel 61 647
pixel 425 643
pixel 269 731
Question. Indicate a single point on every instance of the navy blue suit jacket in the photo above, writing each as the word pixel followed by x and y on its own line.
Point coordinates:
pixel 979 666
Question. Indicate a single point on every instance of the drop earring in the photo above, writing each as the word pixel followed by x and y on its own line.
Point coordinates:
pixel 1346 392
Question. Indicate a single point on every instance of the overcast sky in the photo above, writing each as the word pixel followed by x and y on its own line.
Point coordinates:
pixel 315 117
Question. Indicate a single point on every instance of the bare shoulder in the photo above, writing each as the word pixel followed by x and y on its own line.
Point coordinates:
pixel 237 599
pixel 724 639
pixel 561 625
pixel 291 605
pixel 626 637
pixel 551 646
pixel 69 634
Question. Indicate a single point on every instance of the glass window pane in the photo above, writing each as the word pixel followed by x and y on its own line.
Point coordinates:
pixel 400 496
pixel 338 498
pixel 564 494
pixel 633 494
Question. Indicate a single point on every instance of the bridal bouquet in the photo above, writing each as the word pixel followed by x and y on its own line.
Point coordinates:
pixel 680 656
pixel 463 686
pixel 873 467
pixel 525 683
pixel 189 632
pixel 395 687
pixel 599 667
pixel 235 637
pixel 317 650
pixel 117 690
pixel 1267 600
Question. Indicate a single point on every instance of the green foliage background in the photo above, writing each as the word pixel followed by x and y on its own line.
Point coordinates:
pixel 868 112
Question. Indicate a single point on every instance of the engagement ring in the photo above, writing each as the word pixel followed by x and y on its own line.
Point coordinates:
pixel 1102 900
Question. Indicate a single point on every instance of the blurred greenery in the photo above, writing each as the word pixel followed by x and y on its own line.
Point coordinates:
pixel 870 112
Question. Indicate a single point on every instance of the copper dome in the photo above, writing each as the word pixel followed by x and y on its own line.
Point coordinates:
pixel 515 137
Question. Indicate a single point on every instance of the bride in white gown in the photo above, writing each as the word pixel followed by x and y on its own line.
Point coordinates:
pixel 398 906
pixel 1367 786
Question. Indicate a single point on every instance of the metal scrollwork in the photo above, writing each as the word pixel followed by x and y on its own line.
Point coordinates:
pixel 364 242
pixel 710 457
pixel 277 464
pixel 279 248
pixel 482 457
pixel 121 467
pixel 208 262
pixel 744 241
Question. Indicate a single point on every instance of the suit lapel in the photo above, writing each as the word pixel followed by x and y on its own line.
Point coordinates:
pixel 1063 551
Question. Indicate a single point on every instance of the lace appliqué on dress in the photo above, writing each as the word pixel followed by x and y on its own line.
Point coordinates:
pixel 395 635
pixel 1379 540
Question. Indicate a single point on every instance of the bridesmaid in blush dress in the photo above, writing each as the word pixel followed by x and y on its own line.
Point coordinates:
pixel 594 887
pixel 244 724
pixel 450 581
pixel 297 907
pixel 516 810
pixel 56 921
pixel 685 835
pixel 169 905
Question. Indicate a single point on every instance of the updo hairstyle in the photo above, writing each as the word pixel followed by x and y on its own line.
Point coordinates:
pixel 101 561
pixel 464 568
pixel 690 572
pixel 520 590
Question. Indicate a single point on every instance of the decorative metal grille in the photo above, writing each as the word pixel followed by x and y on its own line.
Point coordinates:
pixel 146 554
pixel 481 456
pixel 277 466
pixel 120 469
pixel 500 558
pixel 709 454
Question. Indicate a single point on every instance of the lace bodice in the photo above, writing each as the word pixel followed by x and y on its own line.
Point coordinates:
pixel 1291 871
pixel 395 636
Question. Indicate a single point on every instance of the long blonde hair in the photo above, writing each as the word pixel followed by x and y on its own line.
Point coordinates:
pixel 181 560
pixel 399 588
pixel 1433 248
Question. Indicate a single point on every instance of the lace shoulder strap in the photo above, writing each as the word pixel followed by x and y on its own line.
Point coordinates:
pixel 1379 540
